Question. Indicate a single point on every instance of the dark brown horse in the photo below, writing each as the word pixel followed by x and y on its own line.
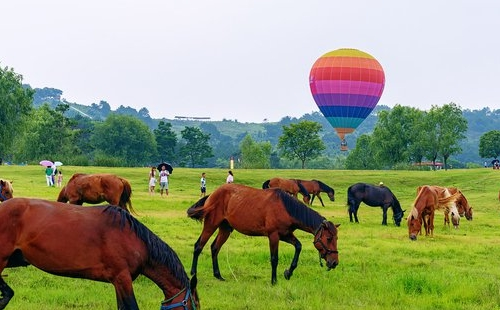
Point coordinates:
pixel 6 190
pixel 97 188
pixel 373 196
pixel 428 200
pixel 117 248
pixel 315 187
pixel 256 212
pixel 290 186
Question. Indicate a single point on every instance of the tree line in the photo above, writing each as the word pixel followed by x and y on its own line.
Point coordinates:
pixel 401 136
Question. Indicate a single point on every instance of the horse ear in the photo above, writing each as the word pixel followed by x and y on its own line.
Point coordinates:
pixel 337 225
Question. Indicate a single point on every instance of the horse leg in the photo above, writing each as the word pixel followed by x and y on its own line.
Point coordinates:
pixel 384 215
pixel 274 240
pixel 312 199
pixel 200 243
pixel 6 292
pixel 298 248
pixel 222 236
pixel 125 297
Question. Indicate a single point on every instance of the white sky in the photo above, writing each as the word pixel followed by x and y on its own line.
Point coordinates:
pixel 249 60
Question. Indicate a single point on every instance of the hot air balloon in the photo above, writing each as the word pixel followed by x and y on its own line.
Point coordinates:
pixel 346 84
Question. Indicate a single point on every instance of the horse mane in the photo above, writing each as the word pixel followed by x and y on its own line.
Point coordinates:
pixel 303 190
pixel 299 211
pixel 196 211
pixel 159 251
pixel 266 184
pixel 324 187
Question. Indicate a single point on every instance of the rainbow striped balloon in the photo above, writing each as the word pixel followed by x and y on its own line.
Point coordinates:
pixel 346 85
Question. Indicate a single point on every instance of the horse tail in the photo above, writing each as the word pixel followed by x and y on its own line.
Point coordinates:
pixel 196 211
pixel 125 197
pixel 448 201
pixel 62 195
pixel 266 184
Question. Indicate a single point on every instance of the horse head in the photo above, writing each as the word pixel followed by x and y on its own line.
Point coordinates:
pixel 6 190
pixel 325 241
pixel 398 217
pixel 414 224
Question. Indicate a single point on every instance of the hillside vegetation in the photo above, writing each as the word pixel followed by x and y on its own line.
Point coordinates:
pixel 380 268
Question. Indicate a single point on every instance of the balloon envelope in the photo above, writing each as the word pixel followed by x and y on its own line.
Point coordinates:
pixel 346 85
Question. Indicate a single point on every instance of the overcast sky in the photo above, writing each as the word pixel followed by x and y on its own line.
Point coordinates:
pixel 249 60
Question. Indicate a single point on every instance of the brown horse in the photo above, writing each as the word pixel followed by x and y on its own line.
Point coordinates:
pixel 463 206
pixel 458 208
pixel 315 187
pixel 97 188
pixel 6 190
pixel 290 186
pixel 256 212
pixel 117 248
pixel 428 200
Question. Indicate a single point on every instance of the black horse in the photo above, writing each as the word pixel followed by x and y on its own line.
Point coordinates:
pixel 373 196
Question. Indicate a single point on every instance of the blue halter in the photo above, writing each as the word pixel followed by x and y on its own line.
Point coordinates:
pixel 2 195
pixel 182 303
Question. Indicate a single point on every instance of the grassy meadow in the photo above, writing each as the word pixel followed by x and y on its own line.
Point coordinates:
pixel 380 268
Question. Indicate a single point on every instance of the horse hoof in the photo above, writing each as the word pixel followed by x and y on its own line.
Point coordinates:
pixel 220 277
pixel 287 274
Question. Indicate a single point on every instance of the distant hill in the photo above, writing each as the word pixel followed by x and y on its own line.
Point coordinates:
pixel 479 122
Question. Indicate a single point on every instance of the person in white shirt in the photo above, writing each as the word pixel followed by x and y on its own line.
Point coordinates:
pixel 164 181
pixel 230 177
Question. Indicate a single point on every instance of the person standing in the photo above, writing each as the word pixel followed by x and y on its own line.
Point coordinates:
pixel 152 181
pixel 59 178
pixel 48 175
pixel 230 177
pixel 164 180
pixel 203 185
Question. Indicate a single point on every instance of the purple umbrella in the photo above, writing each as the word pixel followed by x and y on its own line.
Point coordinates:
pixel 46 163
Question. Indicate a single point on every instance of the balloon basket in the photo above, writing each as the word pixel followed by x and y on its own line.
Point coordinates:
pixel 344 148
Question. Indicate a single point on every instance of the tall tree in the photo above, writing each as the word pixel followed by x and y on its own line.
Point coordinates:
pixel 125 138
pixel 489 144
pixel 15 102
pixel 362 157
pixel 166 141
pixel 255 155
pixel 195 149
pixel 301 141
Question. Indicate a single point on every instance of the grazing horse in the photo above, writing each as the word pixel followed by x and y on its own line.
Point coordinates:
pixel 256 212
pixel 97 188
pixel 315 187
pixel 459 206
pixel 290 186
pixel 373 196
pixel 6 190
pixel 101 243
pixel 428 200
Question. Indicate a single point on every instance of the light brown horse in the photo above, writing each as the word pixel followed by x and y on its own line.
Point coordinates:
pixel 97 188
pixel 463 206
pixel 101 243
pixel 428 200
pixel 261 212
pixel 315 188
pixel 290 186
pixel 6 190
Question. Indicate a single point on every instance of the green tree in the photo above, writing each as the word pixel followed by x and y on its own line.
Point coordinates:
pixel 301 141
pixel 445 128
pixel 489 144
pixel 15 103
pixel 195 148
pixel 255 155
pixel 126 139
pixel 362 157
pixel 166 141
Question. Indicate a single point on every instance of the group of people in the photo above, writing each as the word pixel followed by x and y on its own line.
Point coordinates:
pixel 153 178
pixel 51 173
pixel 203 182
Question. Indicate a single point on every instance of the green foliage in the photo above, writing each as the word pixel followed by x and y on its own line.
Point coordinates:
pixel 15 103
pixel 126 138
pixel 166 141
pixel 489 144
pixel 255 155
pixel 195 148
pixel 301 141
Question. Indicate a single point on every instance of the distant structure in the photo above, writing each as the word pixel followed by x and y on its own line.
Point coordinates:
pixel 191 118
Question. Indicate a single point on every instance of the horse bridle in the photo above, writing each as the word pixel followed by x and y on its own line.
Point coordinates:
pixel 182 303
pixel 317 239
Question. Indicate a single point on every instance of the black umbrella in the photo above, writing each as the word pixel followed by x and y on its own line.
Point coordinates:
pixel 494 161
pixel 168 167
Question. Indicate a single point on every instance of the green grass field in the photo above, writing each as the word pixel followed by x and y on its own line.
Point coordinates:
pixel 380 268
